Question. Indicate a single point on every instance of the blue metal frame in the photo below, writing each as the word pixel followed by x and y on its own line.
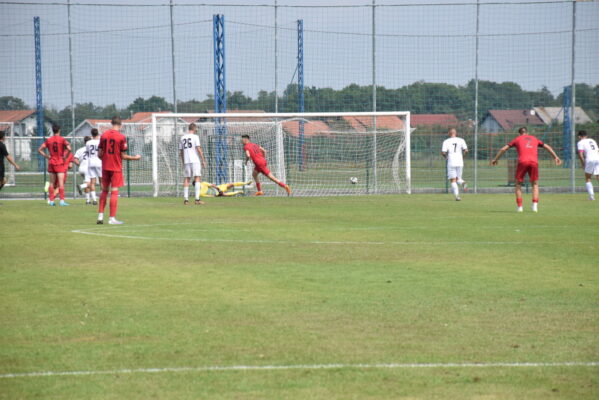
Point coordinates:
pixel 220 97
pixel 41 161
pixel 567 104
pixel 300 89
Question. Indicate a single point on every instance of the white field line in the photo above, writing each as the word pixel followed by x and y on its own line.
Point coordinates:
pixel 301 366
pixel 316 242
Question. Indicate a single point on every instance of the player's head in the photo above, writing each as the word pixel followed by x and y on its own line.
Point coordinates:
pixel 582 134
pixel 193 128
pixel 452 132
pixel 86 139
pixel 116 121
pixel 95 132
pixel 2 135
pixel 523 131
pixel 245 139
pixel 55 129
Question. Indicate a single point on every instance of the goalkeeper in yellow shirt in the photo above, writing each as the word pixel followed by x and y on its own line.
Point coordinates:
pixel 223 190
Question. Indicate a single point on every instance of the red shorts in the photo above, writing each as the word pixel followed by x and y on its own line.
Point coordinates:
pixel 57 168
pixel 113 179
pixel 262 168
pixel 530 168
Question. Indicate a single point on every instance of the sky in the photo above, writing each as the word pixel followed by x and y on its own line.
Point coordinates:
pixel 123 52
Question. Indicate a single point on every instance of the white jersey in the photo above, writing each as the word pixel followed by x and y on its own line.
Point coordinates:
pixel 590 149
pixel 454 148
pixel 188 143
pixel 92 153
pixel 81 155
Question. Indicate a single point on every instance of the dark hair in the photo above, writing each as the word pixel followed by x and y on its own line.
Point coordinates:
pixel 192 127
pixel 523 129
pixel 94 132
pixel 245 136
pixel 1 134
pixel 582 133
pixel 116 120
pixel 55 128
pixel 85 139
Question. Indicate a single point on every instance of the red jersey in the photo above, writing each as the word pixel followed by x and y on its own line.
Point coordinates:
pixel 112 143
pixel 256 153
pixel 527 147
pixel 57 146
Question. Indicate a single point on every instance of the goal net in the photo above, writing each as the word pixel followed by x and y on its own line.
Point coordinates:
pixel 317 154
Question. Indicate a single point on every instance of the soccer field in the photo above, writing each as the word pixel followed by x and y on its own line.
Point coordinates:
pixel 374 297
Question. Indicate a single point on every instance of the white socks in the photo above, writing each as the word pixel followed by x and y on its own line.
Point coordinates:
pixel 454 189
pixel 87 196
pixel 94 198
pixel 100 216
pixel 198 186
pixel 590 190
pixel 186 192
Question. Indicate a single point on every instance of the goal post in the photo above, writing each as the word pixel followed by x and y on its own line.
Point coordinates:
pixel 317 154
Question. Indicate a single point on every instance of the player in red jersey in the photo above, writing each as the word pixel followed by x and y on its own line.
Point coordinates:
pixel 258 156
pixel 112 151
pixel 528 163
pixel 59 150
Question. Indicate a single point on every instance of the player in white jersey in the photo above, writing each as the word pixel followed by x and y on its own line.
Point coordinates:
pixel 191 152
pixel 94 164
pixel 81 159
pixel 588 154
pixel 454 149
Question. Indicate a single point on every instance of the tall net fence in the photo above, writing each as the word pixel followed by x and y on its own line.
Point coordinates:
pixel 485 67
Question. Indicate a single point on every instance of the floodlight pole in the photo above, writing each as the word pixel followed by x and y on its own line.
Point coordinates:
pixel 476 100
pixel 300 89
pixel 374 138
pixel 72 88
pixel 573 103
pixel 174 83
pixel 38 90
pixel 220 97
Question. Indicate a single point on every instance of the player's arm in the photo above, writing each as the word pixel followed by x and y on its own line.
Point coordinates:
pixel 12 161
pixel 42 151
pixel 581 157
pixel 552 152
pixel 67 153
pixel 499 154
pixel 76 161
pixel 263 151
pixel 444 154
pixel 247 156
pixel 201 153
pixel 126 156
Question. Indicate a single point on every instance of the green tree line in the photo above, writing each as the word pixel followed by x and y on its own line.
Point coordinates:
pixel 419 98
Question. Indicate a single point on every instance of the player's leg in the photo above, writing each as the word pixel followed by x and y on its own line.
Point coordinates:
pixel 589 185
pixel 186 190
pixel 518 191
pixel 51 192
pixel 461 181
pixel 105 182
pixel 259 191
pixel 198 188
pixel 452 175
pixel 278 182
pixel 116 181
pixel 2 182
pixel 93 174
pixel 533 173
pixel 60 177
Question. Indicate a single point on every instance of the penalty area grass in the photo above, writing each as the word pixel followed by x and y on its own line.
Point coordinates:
pixel 311 282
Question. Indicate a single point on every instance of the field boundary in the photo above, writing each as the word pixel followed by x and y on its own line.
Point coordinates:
pixel 302 366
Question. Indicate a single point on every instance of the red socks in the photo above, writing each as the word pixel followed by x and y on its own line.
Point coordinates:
pixel 259 186
pixel 61 193
pixel 51 192
pixel 114 197
pixel 535 200
pixel 282 184
pixel 519 201
pixel 103 197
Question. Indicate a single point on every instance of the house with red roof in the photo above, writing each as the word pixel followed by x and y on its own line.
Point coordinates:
pixel 434 120
pixel 365 124
pixel 22 124
pixel 311 128
pixel 510 120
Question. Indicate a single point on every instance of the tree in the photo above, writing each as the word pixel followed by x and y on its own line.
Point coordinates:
pixel 12 103
pixel 154 103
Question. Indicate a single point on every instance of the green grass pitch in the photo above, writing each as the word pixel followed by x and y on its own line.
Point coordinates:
pixel 286 282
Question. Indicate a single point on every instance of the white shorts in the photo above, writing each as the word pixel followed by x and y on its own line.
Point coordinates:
pixel 454 172
pixel 592 167
pixel 94 172
pixel 193 169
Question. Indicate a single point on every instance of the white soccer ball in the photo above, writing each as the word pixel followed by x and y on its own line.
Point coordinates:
pixel 353 180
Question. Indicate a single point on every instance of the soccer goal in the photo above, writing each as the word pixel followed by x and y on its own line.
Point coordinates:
pixel 317 154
